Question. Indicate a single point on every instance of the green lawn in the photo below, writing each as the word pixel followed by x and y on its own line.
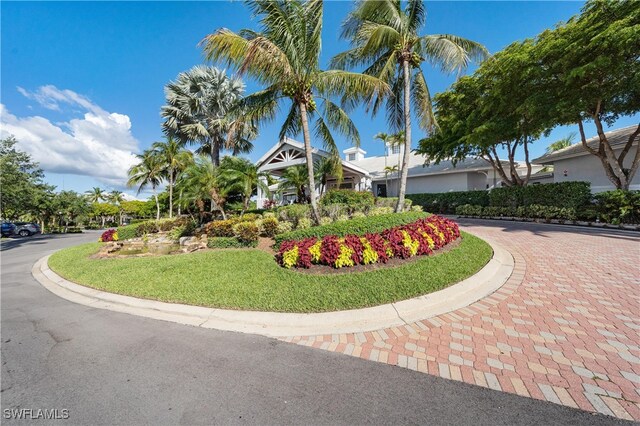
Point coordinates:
pixel 250 279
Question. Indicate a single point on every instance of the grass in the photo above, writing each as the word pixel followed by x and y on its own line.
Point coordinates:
pixel 250 279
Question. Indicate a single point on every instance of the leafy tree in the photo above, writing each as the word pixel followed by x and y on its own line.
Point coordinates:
pixel 200 183
pixel 284 56
pixel 148 172
pixel 241 175
pixel 21 180
pixel 594 75
pixel 176 159
pixel 104 211
pixel 71 205
pixel 198 111
pixel 386 40
pixel 296 178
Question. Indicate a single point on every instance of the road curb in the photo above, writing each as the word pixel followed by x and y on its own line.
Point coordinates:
pixel 489 279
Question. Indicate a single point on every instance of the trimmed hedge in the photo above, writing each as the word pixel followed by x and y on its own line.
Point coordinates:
pixel 347 196
pixel 417 238
pixel 560 194
pixel 618 206
pixel 534 211
pixel 446 202
pixel 229 242
pixel 361 226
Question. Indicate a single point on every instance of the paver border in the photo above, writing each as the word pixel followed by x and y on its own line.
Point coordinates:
pixel 272 324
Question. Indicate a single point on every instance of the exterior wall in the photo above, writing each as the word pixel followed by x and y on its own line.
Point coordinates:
pixel 476 181
pixel 436 183
pixel 589 168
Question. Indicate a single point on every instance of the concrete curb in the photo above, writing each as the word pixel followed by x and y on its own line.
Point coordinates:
pixel 489 279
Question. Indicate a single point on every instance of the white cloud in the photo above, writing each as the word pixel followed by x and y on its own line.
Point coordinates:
pixel 99 145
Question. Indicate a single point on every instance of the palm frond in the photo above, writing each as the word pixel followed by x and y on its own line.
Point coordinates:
pixel 292 124
pixel 421 101
pixel 450 52
pixel 340 121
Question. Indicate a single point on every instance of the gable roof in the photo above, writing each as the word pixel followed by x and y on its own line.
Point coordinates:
pixel 617 138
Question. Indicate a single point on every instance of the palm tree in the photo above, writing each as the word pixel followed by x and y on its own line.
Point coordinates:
pixel 175 159
pixel 325 168
pixel 200 182
pixel 239 174
pixel 116 198
pixel 95 195
pixel 197 111
pixel 385 39
pixel 284 56
pixel 565 142
pixel 295 177
pixel 148 172
pixel 389 170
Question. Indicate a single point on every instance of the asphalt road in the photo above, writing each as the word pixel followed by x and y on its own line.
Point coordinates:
pixel 110 368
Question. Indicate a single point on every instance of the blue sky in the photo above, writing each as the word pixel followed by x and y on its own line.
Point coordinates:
pixel 82 83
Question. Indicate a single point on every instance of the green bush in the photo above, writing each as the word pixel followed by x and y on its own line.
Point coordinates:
pixel 534 211
pixel 360 226
pixel 304 223
pixel 349 197
pixel 618 206
pixel 334 210
pixel 74 230
pixel 269 226
pixel 392 201
pixel 127 232
pixel 447 202
pixel 246 231
pixel 377 211
pixel 294 212
pixel 325 220
pixel 284 227
pixel 560 194
pixel 221 228
pixel 229 242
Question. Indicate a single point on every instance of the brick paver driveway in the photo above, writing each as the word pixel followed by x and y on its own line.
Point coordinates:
pixel 565 328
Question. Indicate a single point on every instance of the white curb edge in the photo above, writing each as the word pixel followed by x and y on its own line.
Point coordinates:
pixel 272 324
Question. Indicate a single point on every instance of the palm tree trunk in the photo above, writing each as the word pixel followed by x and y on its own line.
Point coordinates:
pixel 170 193
pixel 180 203
pixel 157 204
pixel 407 136
pixel 215 152
pixel 309 159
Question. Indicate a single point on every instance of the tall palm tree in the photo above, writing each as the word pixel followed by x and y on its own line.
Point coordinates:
pixel 175 159
pixel 200 182
pixel 148 172
pixel 285 56
pixel 95 195
pixel 240 174
pixel 385 39
pixel 325 168
pixel 297 178
pixel 565 142
pixel 197 111
pixel 116 198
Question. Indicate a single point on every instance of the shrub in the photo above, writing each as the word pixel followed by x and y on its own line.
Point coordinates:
pixel 186 230
pixel 391 202
pixel 349 197
pixel 618 206
pixel 127 232
pixel 560 194
pixel 325 220
pixel 420 237
pixel 342 218
pixel 448 202
pixel 269 226
pixel 221 228
pixel 148 227
pixel 268 214
pixel 358 215
pixel 377 211
pixel 361 226
pixel 294 212
pixel 284 227
pixel 246 231
pixel 74 230
pixel 109 235
pixel 334 210
pixel 268 204
pixel 229 242
pixel 304 223
pixel 417 209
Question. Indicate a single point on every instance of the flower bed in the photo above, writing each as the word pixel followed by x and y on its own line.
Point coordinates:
pixel 418 238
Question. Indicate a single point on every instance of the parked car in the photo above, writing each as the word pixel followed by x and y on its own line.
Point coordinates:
pixel 8 229
pixel 25 229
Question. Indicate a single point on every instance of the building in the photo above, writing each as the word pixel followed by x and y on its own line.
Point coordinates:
pixel 575 163
pixel 380 175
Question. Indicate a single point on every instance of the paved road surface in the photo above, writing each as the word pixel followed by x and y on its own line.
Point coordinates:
pixel 111 368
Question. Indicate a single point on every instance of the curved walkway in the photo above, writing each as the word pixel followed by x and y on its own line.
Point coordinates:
pixel 565 328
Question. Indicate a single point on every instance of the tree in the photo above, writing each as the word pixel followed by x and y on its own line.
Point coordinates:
pixel 594 75
pixel 175 159
pixel 285 56
pixel 296 177
pixel 563 143
pixel 241 175
pixel 200 183
pixel 148 172
pixel 22 181
pixel 503 106
pixel 325 168
pixel 198 111
pixel 95 195
pixel 385 39
pixel 71 205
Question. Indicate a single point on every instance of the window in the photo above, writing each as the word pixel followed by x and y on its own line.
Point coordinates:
pixel 351 157
pixel 382 190
pixel 395 149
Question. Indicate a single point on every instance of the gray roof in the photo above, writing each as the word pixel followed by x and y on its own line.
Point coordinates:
pixel 376 165
pixel 617 138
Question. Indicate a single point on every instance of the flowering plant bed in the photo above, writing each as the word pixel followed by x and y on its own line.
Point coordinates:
pixel 418 238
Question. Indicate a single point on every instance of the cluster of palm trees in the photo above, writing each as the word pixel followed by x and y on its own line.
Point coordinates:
pixel 385 43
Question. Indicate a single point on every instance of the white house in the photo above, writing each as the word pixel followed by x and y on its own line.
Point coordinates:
pixel 577 164
pixel 378 174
